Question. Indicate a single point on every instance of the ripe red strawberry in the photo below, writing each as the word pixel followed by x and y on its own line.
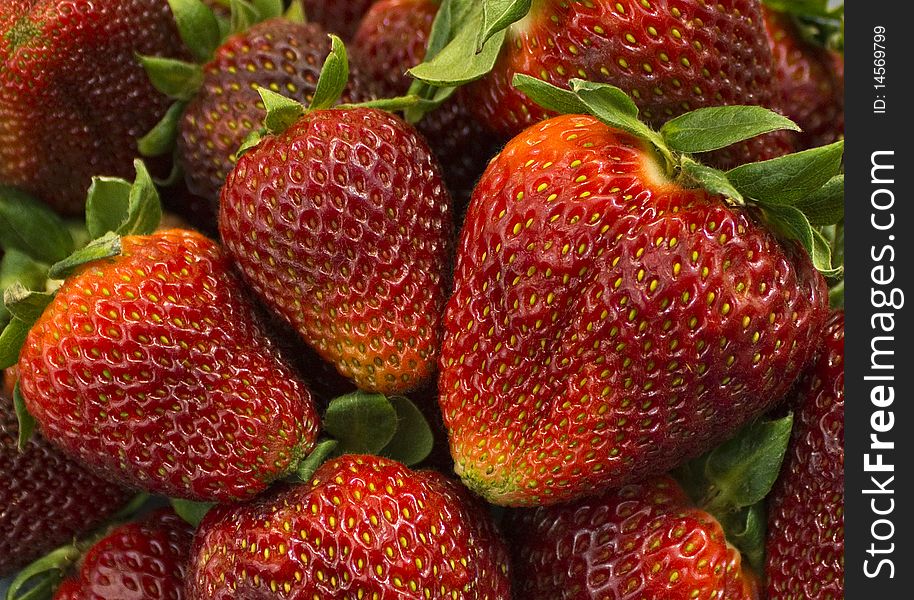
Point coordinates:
pixel 342 225
pixel 670 56
pixel 150 367
pixel 645 540
pixel 811 80
pixel 392 38
pixel 364 527
pixel 73 99
pixel 341 18
pixel 805 549
pixel 47 499
pixel 278 54
pixel 607 323
pixel 146 560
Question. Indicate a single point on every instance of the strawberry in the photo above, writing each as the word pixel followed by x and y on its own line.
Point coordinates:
pixel 363 527
pixel 805 549
pixel 644 540
pixel 145 560
pixel 391 38
pixel 611 317
pixel 47 498
pixel 342 225
pixel 73 99
pixel 341 18
pixel 811 80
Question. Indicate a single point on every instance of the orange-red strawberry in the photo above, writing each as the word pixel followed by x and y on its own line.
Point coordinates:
pixel 73 99
pixel 805 549
pixel 150 367
pixel 342 225
pixel 607 322
pixel 47 499
pixel 363 527
pixel 645 540
pixel 146 560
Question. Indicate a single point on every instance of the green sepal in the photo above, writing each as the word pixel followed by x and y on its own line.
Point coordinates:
pixel 131 508
pixel 431 98
pixel 836 296
pixel 322 451
pixel 26 420
pixel 38 580
pixel 788 179
pixel 333 78
pixel 32 227
pixel 176 79
pixel 250 141
pixel 711 179
pixel 716 127
pixel 296 12
pixel 397 104
pixel 362 423
pixel 550 97
pixel 24 304
pixel 745 529
pixel 104 247
pixel 17 267
pixel 413 440
pixel 791 223
pixel 161 139
pixel 243 15
pixel 268 9
pixel 282 112
pixel 11 340
pixel 825 206
pixel 498 15
pixel 198 27
pixel 190 510
pixel 113 205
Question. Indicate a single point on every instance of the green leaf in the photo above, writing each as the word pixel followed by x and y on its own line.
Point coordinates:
pixel 268 9
pixel 39 579
pixel 106 205
pixel 243 15
pixel 743 470
pixel 104 247
pixel 176 79
pixel 296 12
pixel 24 304
pixel 26 420
pixel 250 141
pixel 161 139
pixel 362 423
pixel 333 78
pixel 15 266
pixel 32 228
pixel 711 179
pixel 11 340
pixel 432 98
pixel 144 211
pixel 746 530
pixel 792 224
pixel 309 465
pixel 282 112
pixel 788 179
pixel 498 15
pixel 825 206
pixel 197 26
pixel 413 439
pixel 716 127
pixel 190 510
pixel 458 62
pixel 550 97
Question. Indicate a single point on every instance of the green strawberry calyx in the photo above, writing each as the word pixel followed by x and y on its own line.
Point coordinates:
pixel 794 195
pixel 732 481
pixel 820 22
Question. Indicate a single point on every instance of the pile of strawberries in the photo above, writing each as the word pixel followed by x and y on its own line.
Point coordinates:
pixel 533 299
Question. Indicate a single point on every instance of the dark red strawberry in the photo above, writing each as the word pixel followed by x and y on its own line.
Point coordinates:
pixel 336 16
pixel 805 550
pixel 342 225
pixel 278 54
pixel 47 499
pixel 73 99
pixel 149 366
pixel 146 560
pixel 363 527
pixel 607 322
pixel 645 540
pixel 811 80
pixel 392 38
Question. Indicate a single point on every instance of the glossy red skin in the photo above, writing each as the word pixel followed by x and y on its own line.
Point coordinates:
pixel 391 39
pixel 146 560
pixel 363 527
pixel 645 540
pixel 725 38
pixel 73 98
pixel 278 54
pixel 348 238
pixel 47 499
pixel 169 383
pixel 811 80
pixel 606 324
pixel 805 546
pixel 337 16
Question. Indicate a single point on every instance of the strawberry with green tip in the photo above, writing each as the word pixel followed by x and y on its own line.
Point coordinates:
pixel 612 317
pixel 363 527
